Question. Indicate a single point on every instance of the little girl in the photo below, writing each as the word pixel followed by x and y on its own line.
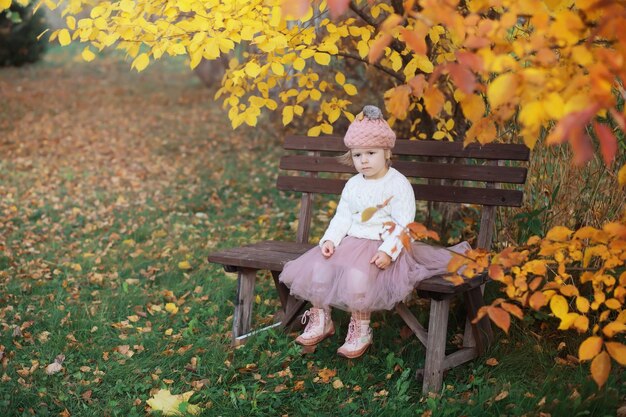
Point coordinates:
pixel 359 266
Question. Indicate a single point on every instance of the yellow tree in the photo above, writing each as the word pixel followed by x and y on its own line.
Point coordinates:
pixel 472 70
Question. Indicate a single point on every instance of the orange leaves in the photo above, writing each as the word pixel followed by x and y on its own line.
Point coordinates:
pixel 559 234
pixel 501 318
pixel 537 300
pixel 617 351
pixel 397 101
pixel 464 79
pixel 433 100
pixel 336 7
pixel 420 232
pixel 589 348
pixel 378 47
pixel 608 142
pixel 600 368
pixel 415 41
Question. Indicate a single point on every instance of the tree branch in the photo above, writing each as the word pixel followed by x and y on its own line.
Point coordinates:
pixel 377 66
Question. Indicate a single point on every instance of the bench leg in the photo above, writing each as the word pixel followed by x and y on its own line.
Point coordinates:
pixel 242 318
pixel 436 345
pixel 481 333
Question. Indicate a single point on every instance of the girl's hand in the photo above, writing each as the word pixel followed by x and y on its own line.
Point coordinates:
pixel 381 260
pixel 328 248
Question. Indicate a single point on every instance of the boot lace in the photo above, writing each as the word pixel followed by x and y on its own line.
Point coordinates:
pixel 312 317
pixel 353 335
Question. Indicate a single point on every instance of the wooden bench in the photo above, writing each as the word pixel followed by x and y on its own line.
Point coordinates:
pixel 473 173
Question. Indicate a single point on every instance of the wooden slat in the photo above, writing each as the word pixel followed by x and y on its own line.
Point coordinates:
pixel 514 175
pixel 436 346
pixel 459 357
pixel 443 193
pixel 438 284
pixel 242 317
pixel 270 255
pixel 505 151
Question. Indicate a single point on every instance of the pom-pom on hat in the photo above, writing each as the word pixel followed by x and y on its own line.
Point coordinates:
pixel 369 130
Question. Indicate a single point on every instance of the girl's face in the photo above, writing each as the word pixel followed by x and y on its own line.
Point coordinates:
pixel 371 162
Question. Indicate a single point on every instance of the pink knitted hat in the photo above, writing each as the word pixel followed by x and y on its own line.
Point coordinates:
pixel 369 130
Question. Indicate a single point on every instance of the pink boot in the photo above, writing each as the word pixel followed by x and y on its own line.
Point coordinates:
pixel 359 338
pixel 319 327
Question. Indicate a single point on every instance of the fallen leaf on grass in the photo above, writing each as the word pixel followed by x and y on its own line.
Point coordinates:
pixel 326 374
pixel 171 308
pixel 280 388
pixel 492 362
pixel 337 384
pixel 55 366
pixel 184 265
pixel 171 405
pixel 502 396
pixel 298 386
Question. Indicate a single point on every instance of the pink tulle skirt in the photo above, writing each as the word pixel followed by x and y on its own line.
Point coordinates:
pixel 348 281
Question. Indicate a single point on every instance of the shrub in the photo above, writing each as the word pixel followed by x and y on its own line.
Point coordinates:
pixel 19 29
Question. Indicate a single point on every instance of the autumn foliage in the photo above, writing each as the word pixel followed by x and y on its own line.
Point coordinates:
pixel 474 70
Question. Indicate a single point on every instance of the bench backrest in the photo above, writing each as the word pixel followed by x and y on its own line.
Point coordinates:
pixel 477 172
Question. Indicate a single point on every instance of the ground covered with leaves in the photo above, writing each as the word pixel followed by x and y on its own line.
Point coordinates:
pixel 114 187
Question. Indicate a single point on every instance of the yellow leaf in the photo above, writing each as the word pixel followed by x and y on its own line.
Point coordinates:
pixel 314 131
pixel 600 368
pixel 582 304
pixel 613 328
pixel 64 37
pixel 581 55
pixel 171 308
pixel 558 305
pixel 322 58
pixel 127 5
pixel 141 62
pixel 5 4
pixel 567 320
pixel 340 78
pixel 170 405
pixel 88 55
pixel 368 213
pixel 589 348
pixel 532 114
pixel 621 176
pixel 502 90
pixel 350 89
pixel 299 64
pixel 473 107
pixel 287 115
pixel 252 69
pixel 71 22
pixel 277 68
pixel 184 265
pixel 617 352
pixel 613 304
pixel 559 233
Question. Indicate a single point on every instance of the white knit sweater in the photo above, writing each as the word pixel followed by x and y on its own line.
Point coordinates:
pixel 360 193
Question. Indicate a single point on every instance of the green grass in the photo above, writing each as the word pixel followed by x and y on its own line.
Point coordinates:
pixel 104 196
